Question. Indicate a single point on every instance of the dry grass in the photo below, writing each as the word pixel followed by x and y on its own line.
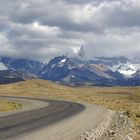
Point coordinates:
pixel 126 99
pixel 6 105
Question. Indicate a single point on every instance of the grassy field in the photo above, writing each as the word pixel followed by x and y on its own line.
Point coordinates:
pixel 125 99
pixel 8 105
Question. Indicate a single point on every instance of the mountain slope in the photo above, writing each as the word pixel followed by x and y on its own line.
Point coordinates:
pixel 12 76
pixel 72 72
pixel 14 70
pixel 24 65
pixel 2 66
pixel 7 76
pixel 57 69
pixel 121 64
pixel 100 71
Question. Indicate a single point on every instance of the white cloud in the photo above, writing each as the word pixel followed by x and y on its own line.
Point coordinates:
pixel 51 31
pixel 42 29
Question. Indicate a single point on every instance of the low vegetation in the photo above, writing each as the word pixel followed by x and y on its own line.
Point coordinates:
pixel 8 105
pixel 125 99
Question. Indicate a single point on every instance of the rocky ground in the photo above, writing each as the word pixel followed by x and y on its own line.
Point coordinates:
pixel 115 126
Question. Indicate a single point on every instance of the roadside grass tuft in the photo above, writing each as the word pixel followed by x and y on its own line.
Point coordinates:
pixel 8 105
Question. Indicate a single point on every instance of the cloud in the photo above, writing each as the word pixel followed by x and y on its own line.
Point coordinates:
pixel 113 45
pixel 40 42
pixel 42 29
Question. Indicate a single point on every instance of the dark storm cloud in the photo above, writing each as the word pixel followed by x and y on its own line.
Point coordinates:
pixel 55 27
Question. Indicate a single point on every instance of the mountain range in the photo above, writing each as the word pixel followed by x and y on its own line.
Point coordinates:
pixel 99 71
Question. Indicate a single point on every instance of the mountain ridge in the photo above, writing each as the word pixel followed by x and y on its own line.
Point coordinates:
pixel 99 71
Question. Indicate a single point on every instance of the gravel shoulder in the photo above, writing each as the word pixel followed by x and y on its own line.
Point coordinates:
pixel 120 128
pixel 115 126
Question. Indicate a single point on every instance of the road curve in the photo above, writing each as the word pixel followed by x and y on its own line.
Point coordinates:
pixel 22 122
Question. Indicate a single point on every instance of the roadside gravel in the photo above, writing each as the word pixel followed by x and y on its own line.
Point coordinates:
pixel 115 126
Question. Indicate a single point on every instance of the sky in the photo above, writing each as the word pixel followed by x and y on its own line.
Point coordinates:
pixel 43 29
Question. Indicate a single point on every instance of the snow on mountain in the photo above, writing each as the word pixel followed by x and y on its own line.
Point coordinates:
pixel 118 64
pixel 57 68
pixel 72 71
pixel 127 69
pixel 63 60
pixel 2 66
pixel 100 71
pixel 61 63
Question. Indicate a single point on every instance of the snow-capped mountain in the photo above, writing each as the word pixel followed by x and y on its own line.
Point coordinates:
pixel 128 69
pixel 57 69
pixel 100 71
pixel 74 72
pixel 121 64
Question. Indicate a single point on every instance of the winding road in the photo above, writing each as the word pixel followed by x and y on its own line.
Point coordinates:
pixel 15 124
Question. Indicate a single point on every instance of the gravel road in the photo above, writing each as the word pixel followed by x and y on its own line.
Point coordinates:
pixel 33 118
pixel 70 128
pixel 58 120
